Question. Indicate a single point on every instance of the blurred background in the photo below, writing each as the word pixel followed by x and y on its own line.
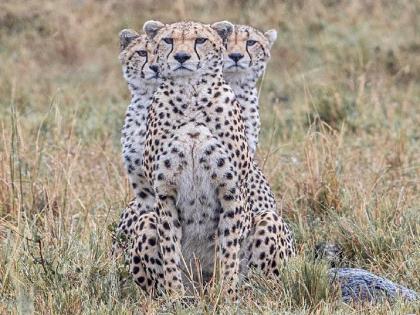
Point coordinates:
pixel 340 107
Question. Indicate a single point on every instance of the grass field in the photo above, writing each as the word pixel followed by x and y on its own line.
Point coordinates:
pixel 340 144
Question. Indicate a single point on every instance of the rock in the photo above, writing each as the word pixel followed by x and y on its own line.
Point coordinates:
pixel 358 286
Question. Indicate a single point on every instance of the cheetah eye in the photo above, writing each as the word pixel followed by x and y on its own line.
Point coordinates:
pixel 200 40
pixel 251 42
pixel 142 53
pixel 168 40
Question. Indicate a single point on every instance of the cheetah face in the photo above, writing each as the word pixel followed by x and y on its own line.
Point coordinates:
pixel 188 49
pixel 247 51
pixel 136 57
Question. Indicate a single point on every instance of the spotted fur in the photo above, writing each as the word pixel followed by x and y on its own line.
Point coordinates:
pixel 245 60
pixel 136 59
pixel 198 169
pixel 196 217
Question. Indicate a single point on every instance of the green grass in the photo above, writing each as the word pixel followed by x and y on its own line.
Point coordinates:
pixel 339 145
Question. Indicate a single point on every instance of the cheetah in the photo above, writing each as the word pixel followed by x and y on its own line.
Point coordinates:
pixel 196 156
pixel 198 169
pixel 142 79
pixel 242 77
pixel 245 60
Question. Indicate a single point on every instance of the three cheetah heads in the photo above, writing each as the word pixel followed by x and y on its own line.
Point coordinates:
pixel 191 49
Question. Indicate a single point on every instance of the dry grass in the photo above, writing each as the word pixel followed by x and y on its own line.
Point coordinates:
pixel 340 145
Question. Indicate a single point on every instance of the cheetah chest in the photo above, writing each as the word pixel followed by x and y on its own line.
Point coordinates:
pixel 197 199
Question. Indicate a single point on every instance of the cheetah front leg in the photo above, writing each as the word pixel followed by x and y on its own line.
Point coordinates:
pixel 170 233
pixel 229 240
pixel 232 225
pixel 146 259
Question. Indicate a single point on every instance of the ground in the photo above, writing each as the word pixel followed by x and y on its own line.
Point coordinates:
pixel 339 144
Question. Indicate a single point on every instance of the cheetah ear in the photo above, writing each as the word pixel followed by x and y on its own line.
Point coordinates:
pixel 151 28
pixel 126 37
pixel 271 35
pixel 223 28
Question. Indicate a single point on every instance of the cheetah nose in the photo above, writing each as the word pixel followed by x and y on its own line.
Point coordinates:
pixel 236 57
pixel 154 68
pixel 182 56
